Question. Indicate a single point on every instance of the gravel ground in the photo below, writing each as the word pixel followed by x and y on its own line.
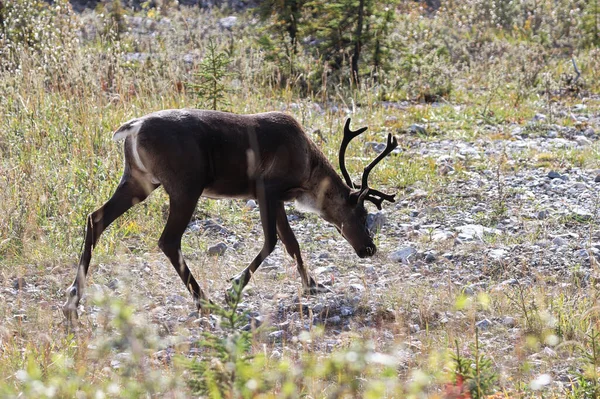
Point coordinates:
pixel 498 219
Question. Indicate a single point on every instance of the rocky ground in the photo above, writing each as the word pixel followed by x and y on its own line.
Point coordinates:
pixel 504 216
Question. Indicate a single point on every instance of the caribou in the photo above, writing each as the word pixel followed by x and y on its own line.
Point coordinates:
pixel 267 157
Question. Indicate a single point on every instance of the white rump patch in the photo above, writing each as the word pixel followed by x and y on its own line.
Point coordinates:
pixel 128 129
pixel 131 129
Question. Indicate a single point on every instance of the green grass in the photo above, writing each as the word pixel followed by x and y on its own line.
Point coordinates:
pixel 58 164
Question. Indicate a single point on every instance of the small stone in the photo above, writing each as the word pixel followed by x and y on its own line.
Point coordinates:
pixel 346 311
pixel 554 175
pixel 218 249
pixel 417 129
pixel 19 283
pixel 582 214
pixel 483 324
pixel 497 254
pixel 413 213
pixel 539 118
pixel 559 241
pixel 228 22
pixel 414 328
pixel 113 284
pixel 430 257
pixel 597 179
pixel 276 335
pixel 375 221
pixel 251 204
pixel 509 322
pixel 582 253
pixel 540 382
pixel 333 320
pixel 403 255
pixel 541 215
pixel 589 132
pixel 318 308
pixel 583 141
pixel 357 287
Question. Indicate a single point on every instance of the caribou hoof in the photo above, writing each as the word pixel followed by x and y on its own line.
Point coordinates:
pixel 316 289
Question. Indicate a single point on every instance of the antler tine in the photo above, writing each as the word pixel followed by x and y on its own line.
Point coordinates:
pixel 392 143
pixel 348 136
pixel 375 200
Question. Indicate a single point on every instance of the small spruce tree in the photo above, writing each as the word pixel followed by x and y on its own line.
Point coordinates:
pixel 210 86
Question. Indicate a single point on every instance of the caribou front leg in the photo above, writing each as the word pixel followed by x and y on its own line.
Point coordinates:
pixel 286 234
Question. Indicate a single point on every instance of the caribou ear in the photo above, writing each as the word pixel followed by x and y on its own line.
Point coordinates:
pixel 354 198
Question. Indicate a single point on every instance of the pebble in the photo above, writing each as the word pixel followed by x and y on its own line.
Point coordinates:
pixel 276 335
pixel 217 250
pixel 404 255
pixel 554 175
pixel 376 221
pixel 417 129
pixel 559 241
pixel 19 283
pixel 483 324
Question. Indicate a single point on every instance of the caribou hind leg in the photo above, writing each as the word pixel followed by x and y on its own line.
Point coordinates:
pixel 129 192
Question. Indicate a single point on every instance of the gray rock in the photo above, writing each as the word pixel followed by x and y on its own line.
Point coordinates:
pixel 541 215
pixel 430 257
pixel 346 311
pixel 228 22
pixel 539 118
pixel 251 204
pixel 375 221
pixel 483 324
pixel 276 335
pixel 554 175
pixel 469 232
pixel 478 209
pixel 218 249
pixel 318 308
pixel 417 129
pixel 414 328
pixel 357 287
pixel 497 254
pixel 589 132
pixel 597 179
pixel 559 241
pixel 19 283
pixel 582 253
pixel 404 255
pixel 581 214
pixel 441 235
pixel 583 141
pixel 509 322
pixel 113 284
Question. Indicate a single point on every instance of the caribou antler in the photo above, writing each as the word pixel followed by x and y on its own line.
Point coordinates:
pixel 348 136
pixel 375 196
pixel 365 191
